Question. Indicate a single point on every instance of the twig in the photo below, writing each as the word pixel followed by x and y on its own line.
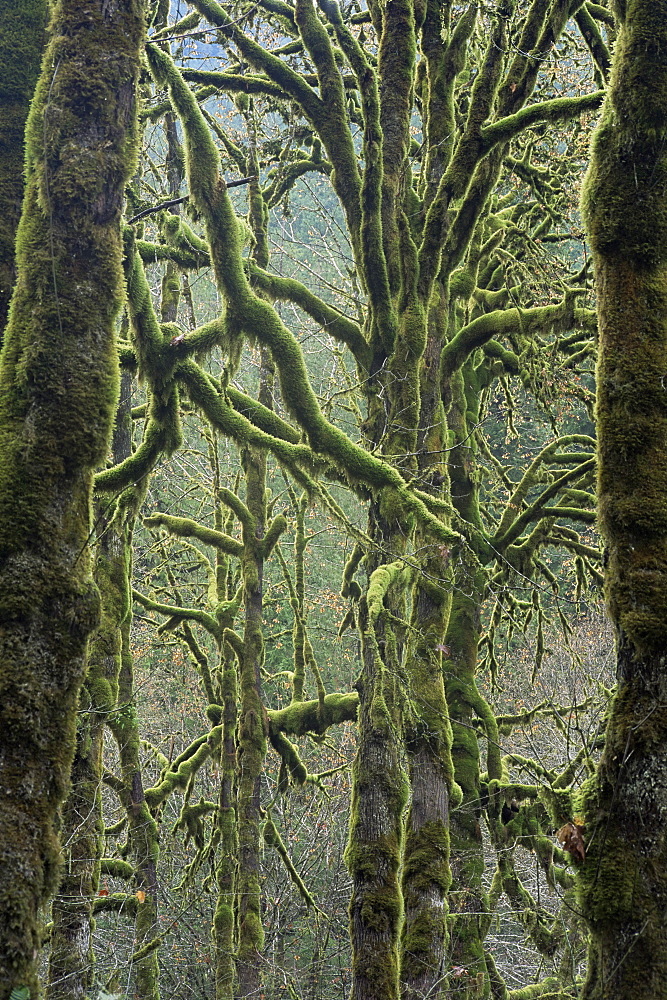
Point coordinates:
pixel 179 201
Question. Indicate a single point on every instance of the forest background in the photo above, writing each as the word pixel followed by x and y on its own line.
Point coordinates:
pixel 349 671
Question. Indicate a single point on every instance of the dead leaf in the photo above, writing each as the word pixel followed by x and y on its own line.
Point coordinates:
pixel 570 836
pixel 141 895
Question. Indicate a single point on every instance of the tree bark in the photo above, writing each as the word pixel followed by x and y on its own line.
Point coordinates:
pixel 623 881
pixel 22 41
pixel 58 391
pixel 71 960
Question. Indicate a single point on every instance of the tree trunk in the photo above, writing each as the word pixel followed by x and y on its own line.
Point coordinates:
pixel 252 735
pixel 428 736
pixel 58 390
pixel 22 40
pixel 143 833
pixel 379 793
pixel 623 881
pixel 71 959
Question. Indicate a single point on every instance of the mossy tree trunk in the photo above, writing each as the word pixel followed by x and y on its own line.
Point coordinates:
pixel 58 389
pixel 623 881
pixel 71 960
pixel 252 734
pixel 379 795
pixel 22 41
pixel 143 834
pixel 223 918
pixel 426 876
pixel 468 899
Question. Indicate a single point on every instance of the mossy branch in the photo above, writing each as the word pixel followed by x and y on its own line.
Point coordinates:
pixel 260 320
pixel 593 37
pixel 234 424
pixel 471 149
pixel 290 757
pixel 349 587
pixel 151 253
pixel 301 718
pixel 382 579
pixel 329 318
pixel 235 83
pixel 332 125
pixel 183 770
pixel 538 508
pixel 291 83
pixel 503 321
pixel 150 946
pixel 117 868
pixel 177 615
pixel 135 469
pixel 557 110
pixel 117 902
pixel 183 527
pixel 547 456
pixel 273 839
pixel 545 710
pixel 262 417
pixel 373 260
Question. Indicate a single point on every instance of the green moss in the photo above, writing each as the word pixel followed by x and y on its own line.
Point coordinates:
pixel 182 770
pixel 273 839
pixel 559 804
pixel 289 756
pixel 59 384
pixel 379 796
pixel 305 717
pixel 185 527
pixel 22 40
pixel 625 871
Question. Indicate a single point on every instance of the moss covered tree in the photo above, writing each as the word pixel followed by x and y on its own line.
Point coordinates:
pixel 430 231
pixel 59 385
pixel 623 882
pixel 22 40
pixel 436 126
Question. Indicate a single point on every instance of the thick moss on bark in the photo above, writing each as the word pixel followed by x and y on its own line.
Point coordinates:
pixel 71 957
pixel 379 794
pixel 143 839
pixel 71 960
pixel 226 835
pixel 623 881
pixel 58 388
pixel 428 737
pixel 22 40
pixel 251 736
